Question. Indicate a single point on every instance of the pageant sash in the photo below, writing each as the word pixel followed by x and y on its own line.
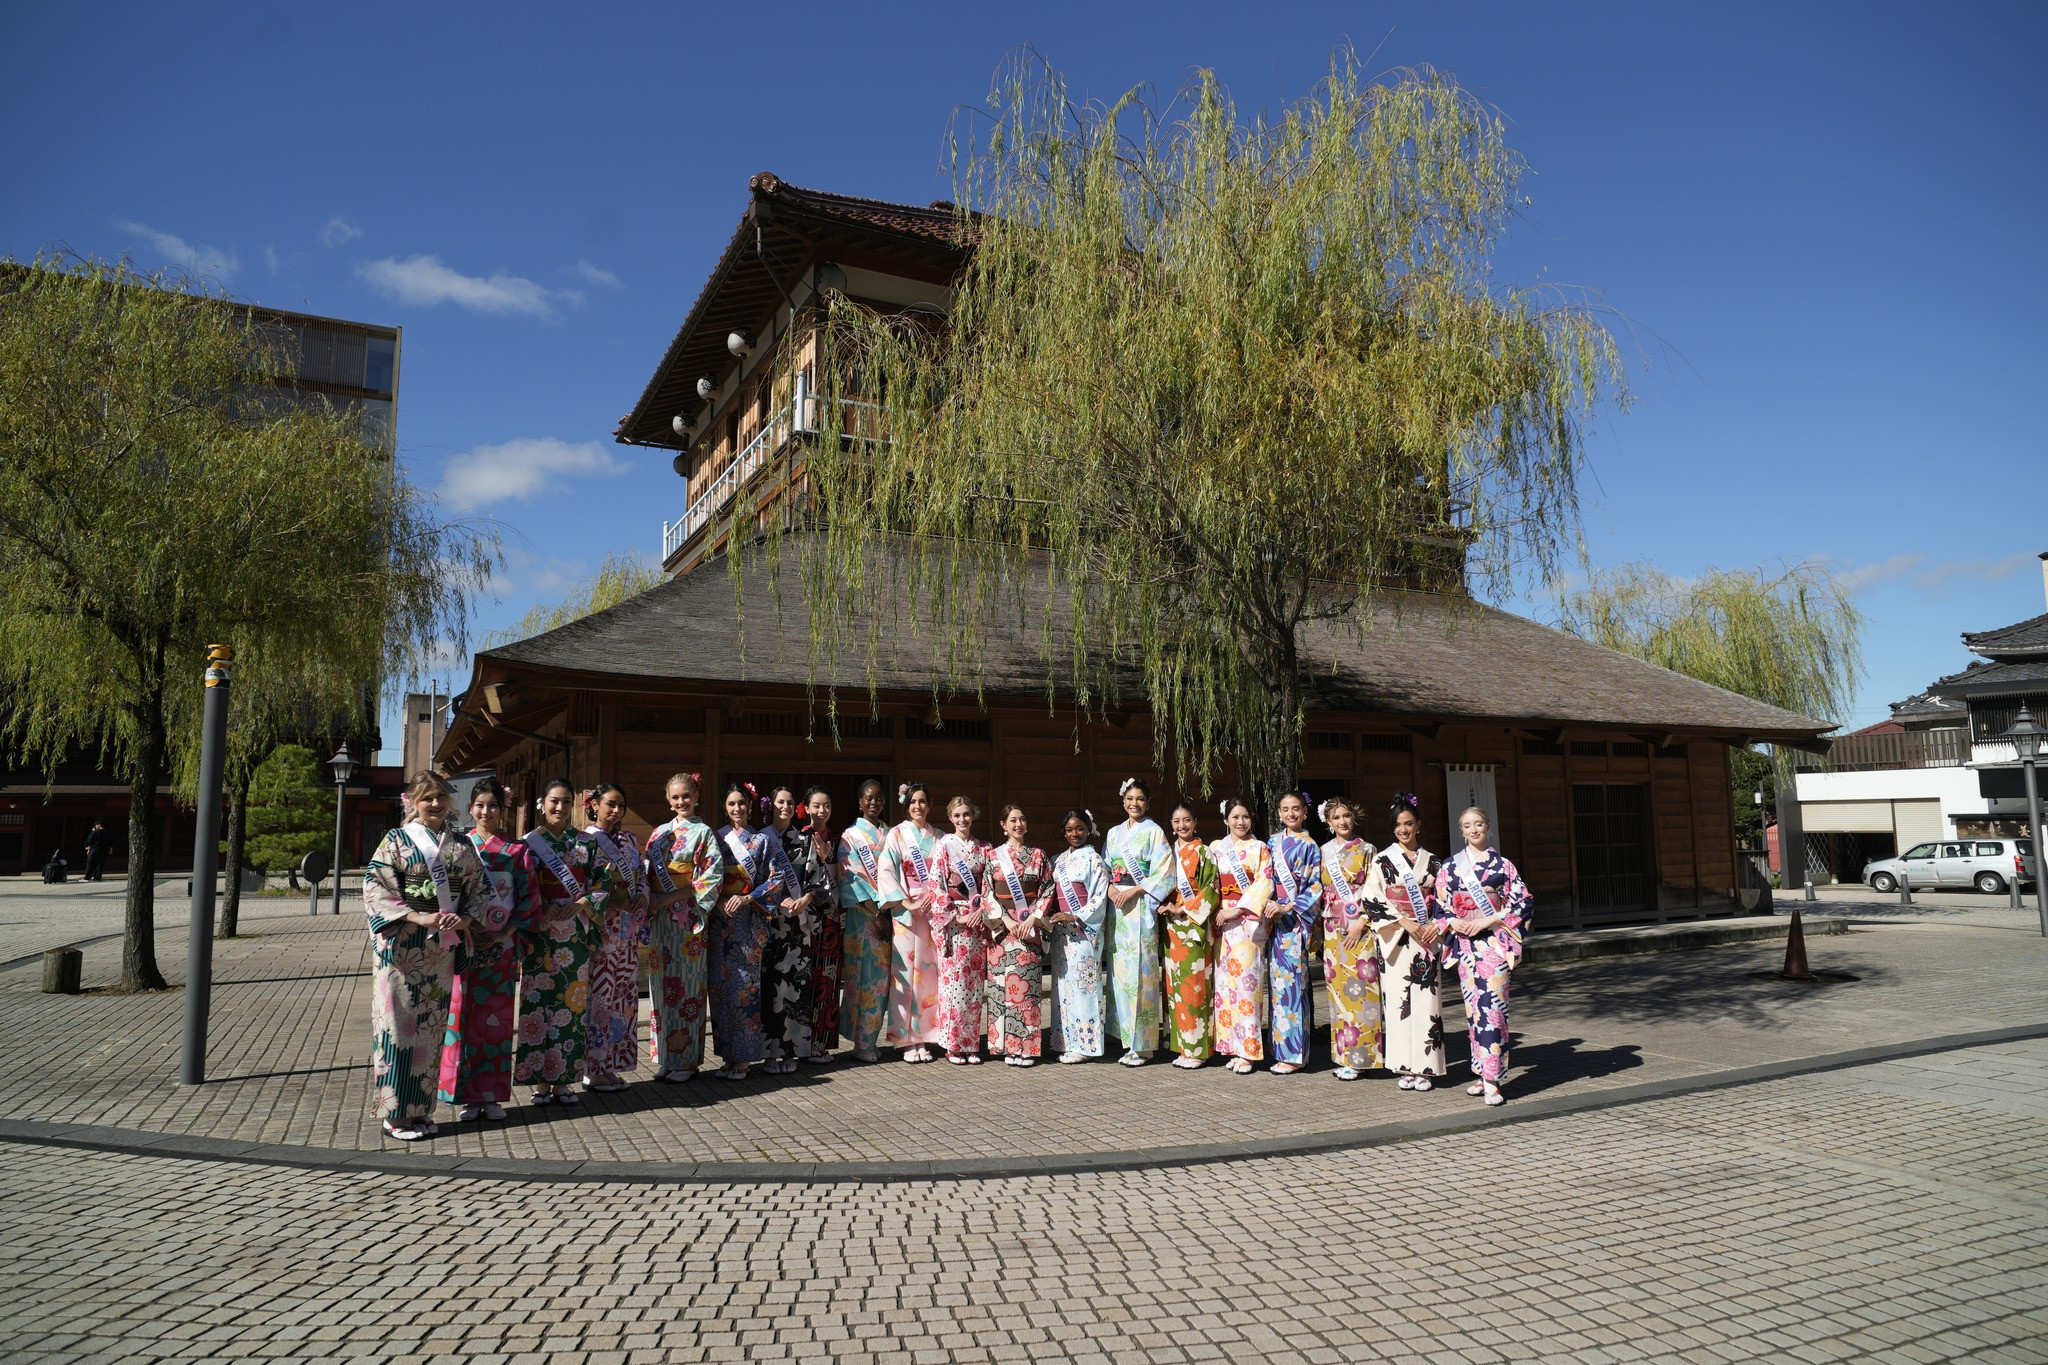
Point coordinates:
pixel 624 860
pixel 1282 871
pixel 537 840
pixel 1418 904
pixel 1070 896
pixel 964 867
pixel 924 869
pixel 1347 896
pixel 1008 867
pixel 499 912
pixel 658 845
pixel 1234 865
pixel 1469 874
pixel 429 846
pixel 1180 874
pixel 864 854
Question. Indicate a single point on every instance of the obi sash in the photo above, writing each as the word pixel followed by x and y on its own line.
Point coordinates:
pixel 1235 866
pixel 1404 866
pixel 499 913
pixel 1346 895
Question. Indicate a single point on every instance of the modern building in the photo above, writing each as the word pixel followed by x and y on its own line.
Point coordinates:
pixel 353 365
pixel 1938 769
pixel 425 720
pixel 1606 777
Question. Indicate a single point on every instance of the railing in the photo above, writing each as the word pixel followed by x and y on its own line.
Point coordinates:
pixel 799 415
pixel 1944 748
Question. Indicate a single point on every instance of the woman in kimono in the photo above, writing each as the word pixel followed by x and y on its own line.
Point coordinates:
pixel 483 1012
pixel 575 885
pixel 1409 942
pixel 913 877
pixel 786 962
pixel 1488 904
pixel 1080 913
pixel 1140 877
pixel 960 925
pixel 1189 913
pixel 1298 887
pixel 1350 966
pixel 753 890
pixel 612 1025
pixel 869 931
pixel 423 892
pixel 814 856
pixel 688 873
pixel 1244 895
pixel 1020 895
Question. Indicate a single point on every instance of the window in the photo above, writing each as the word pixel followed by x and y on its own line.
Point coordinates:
pixel 1955 850
pixel 1543 748
pixel 1623 749
pixel 380 364
pixel 422 718
pixel 1989 850
pixel 1919 851
pixel 1588 748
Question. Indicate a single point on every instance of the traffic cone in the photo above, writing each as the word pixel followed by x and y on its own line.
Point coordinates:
pixel 1795 951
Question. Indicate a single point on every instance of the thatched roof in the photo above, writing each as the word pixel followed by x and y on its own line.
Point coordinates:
pixel 1425 656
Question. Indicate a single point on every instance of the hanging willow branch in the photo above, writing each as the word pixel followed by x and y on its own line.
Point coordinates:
pixel 1217 380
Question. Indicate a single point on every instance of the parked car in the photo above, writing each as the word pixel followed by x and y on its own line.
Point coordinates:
pixel 1990 865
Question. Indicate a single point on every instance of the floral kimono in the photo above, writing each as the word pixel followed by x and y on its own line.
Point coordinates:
pixel 1080 888
pixel 867 931
pixel 1138 855
pixel 1187 959
pixel 1020 890
pixel 410 989
pixel 913 865
pixel 1479 888
pixel 1353 974
pixel 1298 892
pixel 755 869
pixel 483 1011
pixel 1240 987
pixel 684 856
pixel 786 964
pixel 816 865
pixel 555 976
pixel 960 927
pixel 611 1025
pixel 1411 976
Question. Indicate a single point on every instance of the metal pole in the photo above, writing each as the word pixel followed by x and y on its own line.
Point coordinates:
pixel 220 670
pixel 2040 852
pixel 340 808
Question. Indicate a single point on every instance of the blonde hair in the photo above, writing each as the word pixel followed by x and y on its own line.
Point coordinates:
pixel 425 782
pixel 1475 810
pixel 687 781
pixel 957 802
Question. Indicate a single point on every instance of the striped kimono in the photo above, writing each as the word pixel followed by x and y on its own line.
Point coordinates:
pixel 410 987
pixel 867 929
pixel 612 1024
pixel 686 852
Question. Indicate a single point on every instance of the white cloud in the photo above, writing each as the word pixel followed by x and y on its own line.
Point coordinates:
pixel 1972 571
pixel 201 260
pixel 590 274
pixel 424 280
pixel 338 231
pixel 271 260
pixel 520 471
pixel 1870 575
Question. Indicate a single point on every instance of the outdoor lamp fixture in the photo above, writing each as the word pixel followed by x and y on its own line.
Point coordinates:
pixel 344 767
pixel 2026 735
pixel 707 388
pixel 739 341
pixel 679 424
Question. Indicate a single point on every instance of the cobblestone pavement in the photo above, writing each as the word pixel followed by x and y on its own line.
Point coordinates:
pixel 290 1032
pixel 1893 1212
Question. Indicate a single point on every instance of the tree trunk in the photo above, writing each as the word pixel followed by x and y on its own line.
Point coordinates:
pixel 138 931
pixel 238 831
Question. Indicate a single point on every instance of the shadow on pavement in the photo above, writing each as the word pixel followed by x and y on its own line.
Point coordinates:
pixel 1544 1066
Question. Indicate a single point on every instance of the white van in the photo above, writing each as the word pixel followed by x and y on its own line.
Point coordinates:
pixel 1990 865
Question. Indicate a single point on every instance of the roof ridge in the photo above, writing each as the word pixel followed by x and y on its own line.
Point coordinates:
pixel 769 183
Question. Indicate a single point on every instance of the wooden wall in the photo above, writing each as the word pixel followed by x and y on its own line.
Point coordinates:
pixel 1019 753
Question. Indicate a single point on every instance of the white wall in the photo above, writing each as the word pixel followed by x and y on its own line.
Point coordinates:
pixel 1955 788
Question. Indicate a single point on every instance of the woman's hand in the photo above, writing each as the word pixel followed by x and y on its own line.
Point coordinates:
pixel 732 905
pixel 1355 935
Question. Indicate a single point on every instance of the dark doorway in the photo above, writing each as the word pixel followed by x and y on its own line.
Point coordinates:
pixel 1611 837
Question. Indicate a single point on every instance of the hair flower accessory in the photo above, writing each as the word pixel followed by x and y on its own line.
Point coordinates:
pixel 1125 789
pixel 1407 801
pixel 1323 812
pixel 1223 806
pixel 902 793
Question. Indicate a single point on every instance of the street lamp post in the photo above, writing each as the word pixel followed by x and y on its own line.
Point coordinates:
pixel 2026 735
pixel 344 768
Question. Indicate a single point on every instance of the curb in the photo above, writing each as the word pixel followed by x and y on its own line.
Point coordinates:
pixel 98 1138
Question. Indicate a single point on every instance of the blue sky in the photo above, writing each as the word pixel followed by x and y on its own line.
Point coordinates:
pixel 1820 227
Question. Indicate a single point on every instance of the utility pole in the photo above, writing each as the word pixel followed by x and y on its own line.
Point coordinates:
pixel 220 671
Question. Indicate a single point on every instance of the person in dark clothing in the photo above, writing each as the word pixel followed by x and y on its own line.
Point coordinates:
pixel 96 841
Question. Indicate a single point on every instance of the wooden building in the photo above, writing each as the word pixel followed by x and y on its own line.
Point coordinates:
pixel 1607 777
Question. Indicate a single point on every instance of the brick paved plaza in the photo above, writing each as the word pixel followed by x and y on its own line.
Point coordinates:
pixel 1896 1209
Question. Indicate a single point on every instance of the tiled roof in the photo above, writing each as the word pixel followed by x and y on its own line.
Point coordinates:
pixel 2026 638
pixel 1927 706
pixel 2016 676
pixel 1426 656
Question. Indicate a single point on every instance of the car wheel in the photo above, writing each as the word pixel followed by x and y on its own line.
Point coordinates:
pixel 1990 883
pixel 1884 881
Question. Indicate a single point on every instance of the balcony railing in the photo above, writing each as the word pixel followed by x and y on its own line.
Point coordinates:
pixel 797 416
pixel 1945 748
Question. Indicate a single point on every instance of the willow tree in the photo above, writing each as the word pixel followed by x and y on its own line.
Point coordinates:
pixel 1219 379
pixel 162 487
pixel 1788 635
